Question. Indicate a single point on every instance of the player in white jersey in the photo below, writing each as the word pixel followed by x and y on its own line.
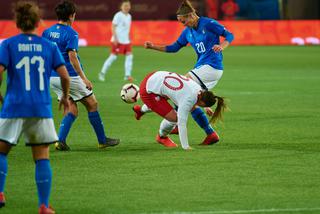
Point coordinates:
pixel 120 40
pixel 158 87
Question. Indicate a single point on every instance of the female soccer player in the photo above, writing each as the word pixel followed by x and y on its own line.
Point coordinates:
pixel 158 87
pixel 121 43
pixel 203 34
pixel 26 107
pixel 80 87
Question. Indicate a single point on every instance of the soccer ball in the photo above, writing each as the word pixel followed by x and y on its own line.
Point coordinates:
pixel 130 93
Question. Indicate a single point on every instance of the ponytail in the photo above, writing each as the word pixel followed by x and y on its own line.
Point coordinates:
pixel 220 108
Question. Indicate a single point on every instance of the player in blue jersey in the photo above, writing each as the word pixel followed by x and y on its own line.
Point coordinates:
pixel 26 107
pixel 203 35
pixel 80 87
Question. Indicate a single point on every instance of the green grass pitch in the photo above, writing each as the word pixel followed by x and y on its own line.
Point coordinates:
pixel 268 159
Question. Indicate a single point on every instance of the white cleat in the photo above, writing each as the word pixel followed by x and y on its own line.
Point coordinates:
pixel 101 77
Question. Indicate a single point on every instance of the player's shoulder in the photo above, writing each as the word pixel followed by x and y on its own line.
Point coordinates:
pixel 206 20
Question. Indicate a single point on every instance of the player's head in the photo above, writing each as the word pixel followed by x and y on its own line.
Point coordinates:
pixel 125 6
pixel 208 99
pixel 186 14
pixel 66 11
pixel 27 16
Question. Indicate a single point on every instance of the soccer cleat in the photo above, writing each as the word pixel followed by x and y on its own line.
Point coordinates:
pixel 61 146
pixel 2 200
pixel 109 142
pixel 129 78
pixel 175 130
pixel 46 210
pixel 166 141
pixel 137 112
pixel 211 139
pixel 101 77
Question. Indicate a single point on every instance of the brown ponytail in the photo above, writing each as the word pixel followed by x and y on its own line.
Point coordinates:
pixel 218 112
pixel 185 8
pixel 27 15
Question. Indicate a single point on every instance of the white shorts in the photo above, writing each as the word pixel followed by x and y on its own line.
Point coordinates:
pixel 78 89
pixel 208 75
pixel 36 131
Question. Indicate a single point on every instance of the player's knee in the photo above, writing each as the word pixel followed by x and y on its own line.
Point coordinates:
pixel 172 116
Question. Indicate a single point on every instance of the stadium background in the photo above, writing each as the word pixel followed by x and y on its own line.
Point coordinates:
pixel 263 22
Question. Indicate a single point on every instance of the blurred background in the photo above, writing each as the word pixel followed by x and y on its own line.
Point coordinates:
pixel 165 9
pixel 253 22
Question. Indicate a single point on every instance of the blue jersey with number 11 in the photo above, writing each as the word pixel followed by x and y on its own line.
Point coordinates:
pixel 29 60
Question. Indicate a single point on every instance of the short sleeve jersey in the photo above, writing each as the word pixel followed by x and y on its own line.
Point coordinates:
pixel 123 24
pixel 29 61
pixel 67 40
pixel 202 39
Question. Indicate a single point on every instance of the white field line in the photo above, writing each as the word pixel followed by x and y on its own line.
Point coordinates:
pixel 272 210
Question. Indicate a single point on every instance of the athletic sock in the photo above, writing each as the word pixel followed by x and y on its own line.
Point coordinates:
pixel 65 126
pixel 166 127
pixel 201 119
pixel 108 63
pixel 128 65
pixel 97 125
pixel 145 109
pixel 43 179
pixel 3 170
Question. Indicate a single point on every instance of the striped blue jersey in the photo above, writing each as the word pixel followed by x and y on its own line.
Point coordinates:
pixel 202 39
pixel 29 60
pixel 66 39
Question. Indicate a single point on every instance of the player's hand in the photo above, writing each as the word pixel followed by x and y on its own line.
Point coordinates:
pixel 1 99
pixel 64 101
pixel 208 111
pixel 88 84
pixel 217 48
pixel 148 45
pixel 115 42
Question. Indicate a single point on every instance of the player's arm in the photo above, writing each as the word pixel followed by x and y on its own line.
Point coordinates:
pixel 175 47
pixel 65 84
pixel 2 69
pixel 77 67
pixel 183 112
pixel 217 28
pixel 114 33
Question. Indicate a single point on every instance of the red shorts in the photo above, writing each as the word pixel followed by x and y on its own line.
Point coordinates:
pixel 121 49
pixel 155 102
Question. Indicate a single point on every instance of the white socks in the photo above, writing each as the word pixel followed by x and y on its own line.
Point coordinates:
pixel 108 63
pixel 166 127
pixel 128 65
pixel 145 109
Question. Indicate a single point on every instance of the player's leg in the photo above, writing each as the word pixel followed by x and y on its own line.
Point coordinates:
pixel 46 135
pixel 66 125
pixel 91 105
pixel 140 110
pixel 128 62
pixel 4 150
pixel 9 134
pixel 210 77
pixel 106 65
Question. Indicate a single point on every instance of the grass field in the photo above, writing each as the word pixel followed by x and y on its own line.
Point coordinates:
pixel 268 160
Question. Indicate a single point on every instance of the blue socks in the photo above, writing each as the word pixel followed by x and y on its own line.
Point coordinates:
pixel 97 125
pixel 65 126
pixel 43 179
pixel 201 119
pixel 3 170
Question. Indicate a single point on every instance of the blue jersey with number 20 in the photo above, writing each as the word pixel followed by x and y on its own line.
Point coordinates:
pixel 29 60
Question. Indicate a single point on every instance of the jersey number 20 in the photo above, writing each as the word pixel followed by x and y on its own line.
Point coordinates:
pixel 200 47
pixel 25 61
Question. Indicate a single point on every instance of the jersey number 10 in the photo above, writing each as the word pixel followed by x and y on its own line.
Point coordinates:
pixel 25 61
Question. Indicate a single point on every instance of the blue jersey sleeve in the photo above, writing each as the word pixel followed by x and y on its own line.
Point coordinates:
pixel 219 29
pixel 57 57
pixel 181 42
pixel 73 43
pixel 4 54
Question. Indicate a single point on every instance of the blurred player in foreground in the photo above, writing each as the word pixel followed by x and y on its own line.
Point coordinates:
pixel 203 34
pixel 158 87
pixel 26 107
pixel 121 43
pixel 80 87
